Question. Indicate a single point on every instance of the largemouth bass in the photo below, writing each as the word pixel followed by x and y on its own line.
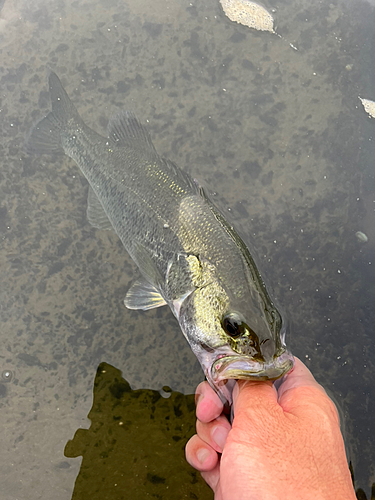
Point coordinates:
pixel 189 256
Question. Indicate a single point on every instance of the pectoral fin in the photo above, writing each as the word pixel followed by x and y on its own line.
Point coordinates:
pixel 143 295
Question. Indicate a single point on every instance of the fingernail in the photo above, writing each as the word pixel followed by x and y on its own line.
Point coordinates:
pixel 202 455
pixel 219 435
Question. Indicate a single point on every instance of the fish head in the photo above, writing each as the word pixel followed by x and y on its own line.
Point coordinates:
pixel 234 339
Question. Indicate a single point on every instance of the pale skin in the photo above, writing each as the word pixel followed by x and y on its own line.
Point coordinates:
pixel 283 444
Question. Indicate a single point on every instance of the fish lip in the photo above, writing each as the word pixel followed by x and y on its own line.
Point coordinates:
pixel 245 367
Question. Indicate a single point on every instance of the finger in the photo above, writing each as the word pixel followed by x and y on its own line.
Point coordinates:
pixel 212 479
pixel 261 394
pixel 299 376
pixel 208 403
pixel 200 455
pixel 214 433
pixel 300 387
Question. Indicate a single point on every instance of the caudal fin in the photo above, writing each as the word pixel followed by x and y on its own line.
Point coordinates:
pixel 45 137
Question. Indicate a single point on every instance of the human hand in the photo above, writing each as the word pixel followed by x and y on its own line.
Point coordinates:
pixel 283 444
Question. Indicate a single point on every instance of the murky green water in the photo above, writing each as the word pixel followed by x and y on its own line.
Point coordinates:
pixel 283 143
pixel 134 447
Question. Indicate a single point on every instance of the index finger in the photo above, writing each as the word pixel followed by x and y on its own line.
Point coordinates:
pixel 209 405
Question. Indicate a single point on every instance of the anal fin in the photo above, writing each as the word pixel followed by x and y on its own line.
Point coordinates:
pixel 95 212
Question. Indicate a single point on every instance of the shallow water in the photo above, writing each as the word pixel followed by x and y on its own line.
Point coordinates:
pixel 286 149
pixel 134 447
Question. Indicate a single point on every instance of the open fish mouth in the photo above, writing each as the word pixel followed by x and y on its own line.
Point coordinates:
pixel 246 367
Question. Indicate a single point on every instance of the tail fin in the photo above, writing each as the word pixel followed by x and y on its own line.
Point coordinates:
pixel 45 137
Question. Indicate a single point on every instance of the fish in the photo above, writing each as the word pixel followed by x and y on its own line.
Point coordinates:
pixel 189 257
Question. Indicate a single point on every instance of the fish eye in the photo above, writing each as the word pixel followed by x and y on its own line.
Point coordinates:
pixel 233 325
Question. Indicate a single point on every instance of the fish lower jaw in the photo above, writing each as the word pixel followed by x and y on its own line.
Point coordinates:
pixel 245 367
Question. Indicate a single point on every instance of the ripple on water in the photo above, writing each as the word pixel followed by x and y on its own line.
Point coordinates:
pixel 6 376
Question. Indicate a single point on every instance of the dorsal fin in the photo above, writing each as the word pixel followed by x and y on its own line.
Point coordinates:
pixel 181 175
pixel 125 129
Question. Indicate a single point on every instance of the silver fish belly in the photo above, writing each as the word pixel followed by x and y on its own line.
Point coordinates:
pixel 190 258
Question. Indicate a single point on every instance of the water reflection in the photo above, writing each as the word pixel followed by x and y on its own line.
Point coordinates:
pixel 134 447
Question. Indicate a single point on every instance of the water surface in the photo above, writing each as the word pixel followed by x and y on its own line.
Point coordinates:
pixel 280 138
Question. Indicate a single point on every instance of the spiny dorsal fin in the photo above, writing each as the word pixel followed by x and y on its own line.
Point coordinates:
pixel 181 175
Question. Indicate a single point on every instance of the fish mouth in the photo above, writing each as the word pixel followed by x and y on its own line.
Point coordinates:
pixel 246 367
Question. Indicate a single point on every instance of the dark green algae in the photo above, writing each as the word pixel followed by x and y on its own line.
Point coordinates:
pixel 134 448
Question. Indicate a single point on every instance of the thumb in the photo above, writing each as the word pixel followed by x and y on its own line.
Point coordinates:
pixel 299 388
pixel 258 394
pixel 299 376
